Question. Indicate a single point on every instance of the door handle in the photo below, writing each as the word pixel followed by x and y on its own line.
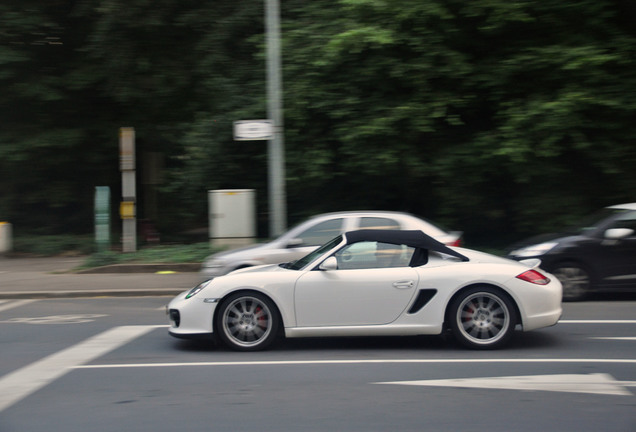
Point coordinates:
pixel 403 284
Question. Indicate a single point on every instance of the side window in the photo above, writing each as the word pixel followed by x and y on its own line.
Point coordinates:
pixel 627 221
pixel 369 255
pixel 321 233
pixel 378 223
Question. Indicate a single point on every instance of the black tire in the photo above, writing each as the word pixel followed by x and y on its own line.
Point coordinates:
pixel 248 321
pixel 482 318
pixel 576 280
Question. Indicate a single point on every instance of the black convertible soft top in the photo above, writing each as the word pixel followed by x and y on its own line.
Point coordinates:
pixel 412 238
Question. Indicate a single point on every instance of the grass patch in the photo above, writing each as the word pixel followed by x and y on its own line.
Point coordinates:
pixel 191 253
pixel 84 245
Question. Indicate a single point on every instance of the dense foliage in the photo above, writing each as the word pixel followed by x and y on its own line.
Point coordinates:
pixel 495 117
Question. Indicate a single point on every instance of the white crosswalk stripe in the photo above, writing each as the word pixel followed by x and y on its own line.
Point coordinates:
pixel 10 304
pixel 25 381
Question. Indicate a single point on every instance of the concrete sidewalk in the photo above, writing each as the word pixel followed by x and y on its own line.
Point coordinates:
pixel 52 277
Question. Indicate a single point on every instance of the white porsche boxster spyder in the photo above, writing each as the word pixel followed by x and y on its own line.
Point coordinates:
pixel 372 282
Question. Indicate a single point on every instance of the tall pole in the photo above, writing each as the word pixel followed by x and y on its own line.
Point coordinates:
pixel 276 146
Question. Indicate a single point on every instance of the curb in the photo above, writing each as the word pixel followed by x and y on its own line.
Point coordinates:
pixel 144 268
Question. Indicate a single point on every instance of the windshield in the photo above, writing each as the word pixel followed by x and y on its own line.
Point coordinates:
pixel 302 262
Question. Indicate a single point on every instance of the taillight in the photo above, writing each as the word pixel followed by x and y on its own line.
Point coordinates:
pixel 456 243
pixel 534 277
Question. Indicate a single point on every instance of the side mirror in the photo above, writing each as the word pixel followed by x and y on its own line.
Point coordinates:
pixel 618 233
pixel 295 242
pixel 330 263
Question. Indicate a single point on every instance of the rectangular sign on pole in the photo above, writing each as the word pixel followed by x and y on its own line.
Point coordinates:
pixel 253 130
pixel 126 149
pixel 102 217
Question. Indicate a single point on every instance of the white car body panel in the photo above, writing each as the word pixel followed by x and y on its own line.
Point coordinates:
pixel 353 297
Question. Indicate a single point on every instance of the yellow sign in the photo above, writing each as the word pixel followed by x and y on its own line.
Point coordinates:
pixel 127 209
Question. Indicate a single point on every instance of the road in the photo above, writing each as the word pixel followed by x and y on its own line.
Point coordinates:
pixel 108 364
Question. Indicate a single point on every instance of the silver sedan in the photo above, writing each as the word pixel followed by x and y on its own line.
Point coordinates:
pixel 307 236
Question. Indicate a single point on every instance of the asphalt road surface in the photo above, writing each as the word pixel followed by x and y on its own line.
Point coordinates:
pixel 108 364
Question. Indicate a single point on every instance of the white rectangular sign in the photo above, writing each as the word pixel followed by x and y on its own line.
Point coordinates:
pixel 253 130
pixel 126 149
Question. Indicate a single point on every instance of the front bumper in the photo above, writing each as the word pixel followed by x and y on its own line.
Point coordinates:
pixel 191 318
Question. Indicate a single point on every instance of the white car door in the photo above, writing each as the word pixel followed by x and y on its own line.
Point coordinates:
pixel 366 289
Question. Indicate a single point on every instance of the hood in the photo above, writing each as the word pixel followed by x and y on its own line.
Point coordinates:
pixel 248 275
pixel 257 269
pixel 239 252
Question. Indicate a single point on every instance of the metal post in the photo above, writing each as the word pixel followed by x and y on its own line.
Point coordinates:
pixel 276 146
pixel 128 188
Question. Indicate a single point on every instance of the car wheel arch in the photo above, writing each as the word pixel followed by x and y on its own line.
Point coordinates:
pixel 575 263
pixel 482 325
pixel 461 292
pixel 246 291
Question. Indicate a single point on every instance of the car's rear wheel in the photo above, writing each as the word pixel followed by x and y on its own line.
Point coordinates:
pixel 482 318
pixel 575 279
pixel 247 321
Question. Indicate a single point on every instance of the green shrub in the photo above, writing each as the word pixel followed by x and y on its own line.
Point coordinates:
pixel 191 253
pixel 49 245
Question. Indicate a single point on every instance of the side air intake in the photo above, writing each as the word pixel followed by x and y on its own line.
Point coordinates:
pixel 423 297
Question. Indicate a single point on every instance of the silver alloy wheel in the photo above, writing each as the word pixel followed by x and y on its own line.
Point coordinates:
pixel 483 318
pixel 575 280
pixel 247 321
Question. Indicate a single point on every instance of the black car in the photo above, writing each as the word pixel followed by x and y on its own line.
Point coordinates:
pixel 598 256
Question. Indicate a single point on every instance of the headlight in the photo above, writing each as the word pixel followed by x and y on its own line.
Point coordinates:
pixel 534 250
pixel 197 289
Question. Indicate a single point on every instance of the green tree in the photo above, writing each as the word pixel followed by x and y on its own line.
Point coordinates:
pixel 471 113
pixel 496 117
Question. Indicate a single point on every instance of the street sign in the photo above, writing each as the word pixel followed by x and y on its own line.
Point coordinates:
pixel 127 210
pixel 126 148
pixel 102 217
pixel 253 130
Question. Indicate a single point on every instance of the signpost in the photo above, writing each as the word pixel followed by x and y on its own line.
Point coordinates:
pixel 271 129
pixel 253 130
pixel 276 148
pixel 128 188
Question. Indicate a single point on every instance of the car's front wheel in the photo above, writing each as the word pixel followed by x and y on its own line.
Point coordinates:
pixel 247 321
pixel 482 318
pixel 575 279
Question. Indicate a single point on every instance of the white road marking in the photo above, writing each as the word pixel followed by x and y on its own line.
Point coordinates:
pixel 597 321
pixel 593 383
pixel 13 304
pixel 629 338
pixel 25 381
pixel 346 362
pixel 56 319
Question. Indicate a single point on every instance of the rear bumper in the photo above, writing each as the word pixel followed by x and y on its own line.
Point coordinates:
pixel 547 319
pixel 539 305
